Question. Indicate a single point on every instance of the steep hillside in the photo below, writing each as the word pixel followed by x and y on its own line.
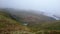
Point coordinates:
pixel 8 25
pixel 22 21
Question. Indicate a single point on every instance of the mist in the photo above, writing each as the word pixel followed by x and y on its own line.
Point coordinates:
pixel 29 16
pixel 47 6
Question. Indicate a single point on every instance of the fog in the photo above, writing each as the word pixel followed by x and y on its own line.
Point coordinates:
pixel 48 6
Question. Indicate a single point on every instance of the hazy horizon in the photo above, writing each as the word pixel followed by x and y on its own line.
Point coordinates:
pixel 48 6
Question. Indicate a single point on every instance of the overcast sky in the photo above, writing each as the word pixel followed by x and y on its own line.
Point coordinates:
pixel 48 6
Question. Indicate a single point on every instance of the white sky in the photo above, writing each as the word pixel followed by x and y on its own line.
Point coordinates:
pixel 48 6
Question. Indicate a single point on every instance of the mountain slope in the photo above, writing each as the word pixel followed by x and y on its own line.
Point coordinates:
pixel 8 25
pixel 32 17
pixel 27 22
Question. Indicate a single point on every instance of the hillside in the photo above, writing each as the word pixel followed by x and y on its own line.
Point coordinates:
pixel 8 25
pixel 31 18
pixel 37 22
pixel 27 22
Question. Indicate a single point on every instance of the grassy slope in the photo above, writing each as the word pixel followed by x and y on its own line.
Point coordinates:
pixel 8 25
pixel 55 25
pixel 44 22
